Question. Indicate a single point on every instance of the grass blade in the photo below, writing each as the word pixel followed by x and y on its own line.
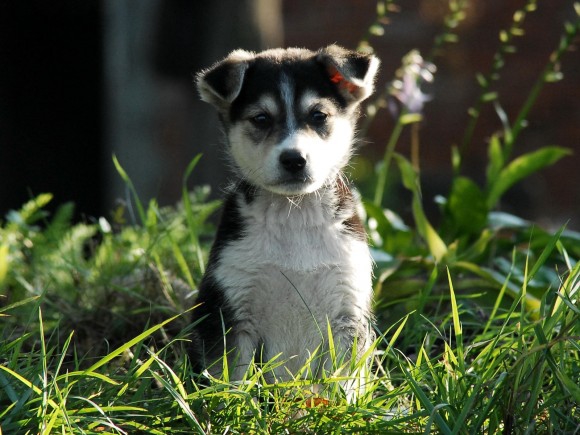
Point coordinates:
pixel 131 187
pixel 426 403
pixel 458 330
pixel 131 343
pixel 181 403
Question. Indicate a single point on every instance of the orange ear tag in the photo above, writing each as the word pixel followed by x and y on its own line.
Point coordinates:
pixel 340 80
pixel 336 78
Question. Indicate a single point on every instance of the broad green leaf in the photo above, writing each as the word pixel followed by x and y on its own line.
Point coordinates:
pixel 408 174
pixel 521 168
pixel 467 206
pixel 437 247
pixel 499 219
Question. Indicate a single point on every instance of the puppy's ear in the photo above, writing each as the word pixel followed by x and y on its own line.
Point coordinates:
pixel 221 84
pixel 353 73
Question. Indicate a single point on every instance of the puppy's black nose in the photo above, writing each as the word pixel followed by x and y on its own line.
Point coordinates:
pixel 292 161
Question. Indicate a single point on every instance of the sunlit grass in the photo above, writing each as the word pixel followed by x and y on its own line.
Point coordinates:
pixel 438 373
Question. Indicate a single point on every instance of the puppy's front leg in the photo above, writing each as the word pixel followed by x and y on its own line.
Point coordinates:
pixel 245 344
pixel 352 338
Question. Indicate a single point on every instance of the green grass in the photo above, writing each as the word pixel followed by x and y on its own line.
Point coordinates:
pixel 478 317
pixel 468 347
pixel 95 323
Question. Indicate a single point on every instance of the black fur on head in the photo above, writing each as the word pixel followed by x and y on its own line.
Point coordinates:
pixel 349 73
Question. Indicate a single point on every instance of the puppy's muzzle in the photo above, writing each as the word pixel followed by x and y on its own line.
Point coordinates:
pixel 292 161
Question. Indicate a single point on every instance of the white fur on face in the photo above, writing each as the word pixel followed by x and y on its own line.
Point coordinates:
pixel 259 161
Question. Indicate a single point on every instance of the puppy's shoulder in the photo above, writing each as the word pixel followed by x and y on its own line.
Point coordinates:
pixel 347 208
pixel 232 225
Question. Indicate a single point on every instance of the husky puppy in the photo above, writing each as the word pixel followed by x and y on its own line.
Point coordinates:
pixel 290 260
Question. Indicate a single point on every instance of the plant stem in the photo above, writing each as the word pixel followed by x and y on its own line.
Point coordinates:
pixel 485 82
pixel 523 113
pixel 552 66
pixel 388 156
pixel 415 159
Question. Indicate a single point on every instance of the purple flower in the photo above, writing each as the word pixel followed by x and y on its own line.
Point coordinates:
pixel 406 88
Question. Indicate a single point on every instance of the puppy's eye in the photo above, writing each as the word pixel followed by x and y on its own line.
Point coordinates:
pixel 317 117
pixel 262 120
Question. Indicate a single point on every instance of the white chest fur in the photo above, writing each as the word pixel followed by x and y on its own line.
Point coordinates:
pixel 294 270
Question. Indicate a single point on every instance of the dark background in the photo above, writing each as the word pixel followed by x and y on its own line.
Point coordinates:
pixel 51 103
pixel 83 80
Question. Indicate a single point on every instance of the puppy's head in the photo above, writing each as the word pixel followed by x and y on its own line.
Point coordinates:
pixel 289 114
